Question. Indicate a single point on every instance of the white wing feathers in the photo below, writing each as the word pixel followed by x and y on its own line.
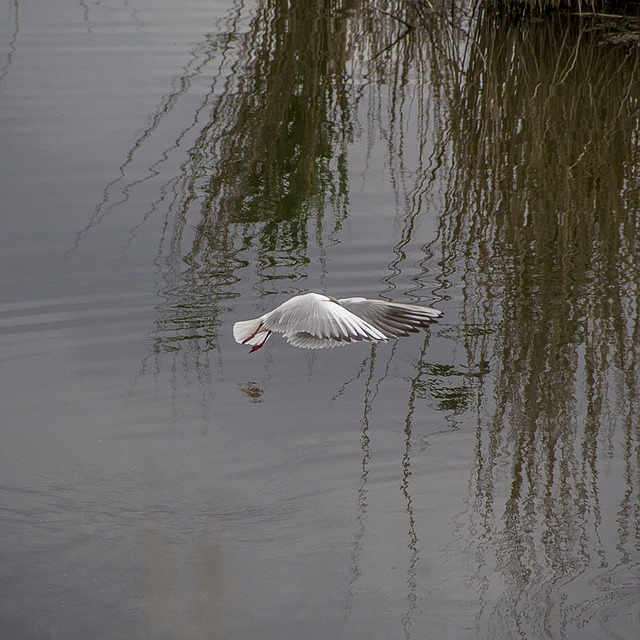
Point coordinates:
pixel 394 319
pixel 317 316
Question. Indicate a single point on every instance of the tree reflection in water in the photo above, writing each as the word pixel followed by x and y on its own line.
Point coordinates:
pixel 525 139
pixel 543 219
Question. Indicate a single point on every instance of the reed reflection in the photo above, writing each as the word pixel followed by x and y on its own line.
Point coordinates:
pixel 543 218
pixel 262 188
pixel 373 373
pixel 266 154
pixel 527 148
pixel 13 39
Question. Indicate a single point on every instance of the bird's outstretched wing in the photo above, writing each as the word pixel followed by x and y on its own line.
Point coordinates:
pixel 393 319
pixel 307 319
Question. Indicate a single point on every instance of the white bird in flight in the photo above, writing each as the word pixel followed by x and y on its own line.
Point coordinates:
pixel 317 321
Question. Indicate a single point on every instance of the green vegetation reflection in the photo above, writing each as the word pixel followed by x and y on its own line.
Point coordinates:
pixel 519 137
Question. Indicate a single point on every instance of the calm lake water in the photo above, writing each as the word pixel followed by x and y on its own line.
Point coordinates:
pixel 170 168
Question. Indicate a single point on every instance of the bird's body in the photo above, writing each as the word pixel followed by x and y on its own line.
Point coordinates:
pixel 317 321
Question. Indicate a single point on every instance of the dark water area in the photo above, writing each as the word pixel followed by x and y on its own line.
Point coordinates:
pixel 170 169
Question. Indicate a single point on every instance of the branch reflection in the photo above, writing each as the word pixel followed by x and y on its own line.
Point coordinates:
pixel 543 219
pixel 525 144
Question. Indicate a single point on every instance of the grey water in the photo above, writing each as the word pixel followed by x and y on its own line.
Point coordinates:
pixel 170 168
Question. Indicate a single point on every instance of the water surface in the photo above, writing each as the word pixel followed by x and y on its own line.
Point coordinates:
pixel 167 171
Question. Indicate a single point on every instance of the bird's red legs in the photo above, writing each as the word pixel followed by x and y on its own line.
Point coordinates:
pixel 253 335
pixel 261 344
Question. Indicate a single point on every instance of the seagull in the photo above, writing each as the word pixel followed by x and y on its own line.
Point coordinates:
pixel 318 321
